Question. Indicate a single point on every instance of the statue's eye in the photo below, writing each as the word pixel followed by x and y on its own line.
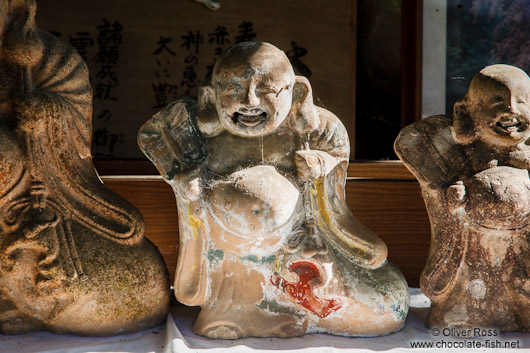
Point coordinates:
pixel 267 90
pixel 498 104
pixel 233 88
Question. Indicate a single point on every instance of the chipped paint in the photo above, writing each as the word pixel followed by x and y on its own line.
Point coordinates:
pixel 215 255
pixel 254 258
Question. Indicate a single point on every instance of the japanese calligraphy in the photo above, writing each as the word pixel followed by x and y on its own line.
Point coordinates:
pixel 192 40
pixel 104 138
pixel 162 46
pixel 246 32
pixel 109 39
pixel 165 89
pixel 81 42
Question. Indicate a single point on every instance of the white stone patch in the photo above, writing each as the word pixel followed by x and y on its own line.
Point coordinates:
pixel 457 316
pixel 497 244
pixel 477 289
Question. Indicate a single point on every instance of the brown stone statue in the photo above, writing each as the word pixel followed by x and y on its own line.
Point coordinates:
pixel 268 245
pixel 73 258
pixel 473 170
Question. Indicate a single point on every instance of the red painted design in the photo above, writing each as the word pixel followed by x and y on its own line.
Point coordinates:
pixel 302 291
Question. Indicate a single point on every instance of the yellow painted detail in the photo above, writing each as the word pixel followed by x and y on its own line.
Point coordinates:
pixel 322 201
pixel 195 223
pixel 359 248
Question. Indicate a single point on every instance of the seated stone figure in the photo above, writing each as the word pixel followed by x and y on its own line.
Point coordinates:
pixel 73 258
pixel 473 170
pixel 268 245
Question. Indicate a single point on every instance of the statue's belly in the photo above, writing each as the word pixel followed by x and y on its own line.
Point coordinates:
pixel 499 198
pixel 254 203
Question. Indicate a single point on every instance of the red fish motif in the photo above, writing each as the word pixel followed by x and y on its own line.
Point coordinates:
pixel 302 291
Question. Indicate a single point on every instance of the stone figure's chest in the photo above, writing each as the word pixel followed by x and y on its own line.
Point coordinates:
pixel 228 153
pixel 255 204
pixel 499 198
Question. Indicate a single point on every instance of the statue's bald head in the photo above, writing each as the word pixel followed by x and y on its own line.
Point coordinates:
pixel 255 57
pixel 496 107
pixel 498 77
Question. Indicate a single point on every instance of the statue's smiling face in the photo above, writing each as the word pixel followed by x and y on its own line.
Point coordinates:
pixel 502 109
pixel 506 114
pixel 254 95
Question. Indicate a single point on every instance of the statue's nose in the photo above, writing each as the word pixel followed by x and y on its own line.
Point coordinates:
pixel 251 99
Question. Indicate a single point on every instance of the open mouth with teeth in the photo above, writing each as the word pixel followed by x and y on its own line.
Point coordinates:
pixel 249 119
pixel 510 125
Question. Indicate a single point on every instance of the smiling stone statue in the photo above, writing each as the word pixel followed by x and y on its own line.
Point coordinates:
pixel 473 170
pixel 268 244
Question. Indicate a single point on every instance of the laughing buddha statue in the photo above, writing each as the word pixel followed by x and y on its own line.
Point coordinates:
pixel 268 244
pixel 473 171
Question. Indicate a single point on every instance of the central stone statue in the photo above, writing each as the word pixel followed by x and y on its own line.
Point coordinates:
pixel 268 244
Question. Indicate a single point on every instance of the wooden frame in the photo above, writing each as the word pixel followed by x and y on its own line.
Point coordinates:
pixel 389 74
pixel 411 61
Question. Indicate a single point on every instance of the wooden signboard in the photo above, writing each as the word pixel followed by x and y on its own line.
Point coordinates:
pixel 144 54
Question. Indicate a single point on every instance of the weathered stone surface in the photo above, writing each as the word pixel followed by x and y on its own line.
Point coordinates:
pixel 473 170
pixel 268 244
pixel 73 258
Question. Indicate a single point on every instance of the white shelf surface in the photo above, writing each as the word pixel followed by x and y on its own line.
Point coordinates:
pixel 175 336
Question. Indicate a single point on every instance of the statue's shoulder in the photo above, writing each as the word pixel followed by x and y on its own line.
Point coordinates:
pixel 171 138
pixel 329 119
pixel 63 72
pixel 178 112
pixel 418 133
pixel 330 135
pixel 429 150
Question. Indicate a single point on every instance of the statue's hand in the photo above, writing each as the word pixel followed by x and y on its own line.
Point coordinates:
pixel 188 183
pixel 520 156
pixel 309 164
pixel 31 110
pixel 312 164
pixel 455 195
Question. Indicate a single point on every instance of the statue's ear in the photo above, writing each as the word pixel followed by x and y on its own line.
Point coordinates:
pixel 303 114
pixel 464 130
pixel 302 92
pixel 207 119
